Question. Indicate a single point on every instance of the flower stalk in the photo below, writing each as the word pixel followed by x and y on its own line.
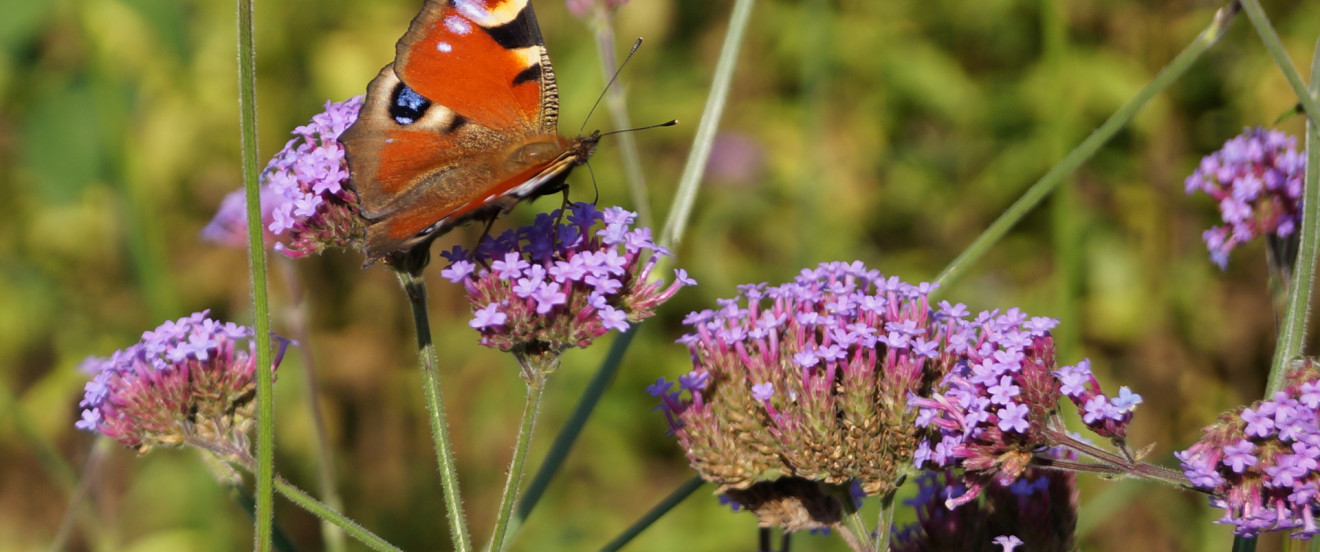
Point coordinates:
pixel 535 391
pixel 429 362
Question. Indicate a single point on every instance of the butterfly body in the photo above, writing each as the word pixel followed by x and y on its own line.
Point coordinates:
pixel 462 125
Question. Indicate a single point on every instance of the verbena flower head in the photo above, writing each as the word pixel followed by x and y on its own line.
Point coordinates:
pixel 306 205
pixel 539 290
pixel 1037 512
pixel 1259 462
pixel 999 407
pixel 1257 180
pixel 810 379
pixel 188 381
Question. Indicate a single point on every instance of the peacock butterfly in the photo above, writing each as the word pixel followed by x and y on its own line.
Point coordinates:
pixel 462 125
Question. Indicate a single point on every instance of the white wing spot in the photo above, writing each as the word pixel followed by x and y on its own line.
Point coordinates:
pixel 458 25
pixel 490 13
pixel 444 47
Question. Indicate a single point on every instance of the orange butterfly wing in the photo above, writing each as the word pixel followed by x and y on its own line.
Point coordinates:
pixel 484 59
pixel 461 125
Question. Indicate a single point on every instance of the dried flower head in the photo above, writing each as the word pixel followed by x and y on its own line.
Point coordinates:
pixel 1037 512
pixel 796 504
pixel 809 380
pixel 306 205
pixel 539 290
pixel 1260 462
pixel 189 381
pixel 1257 180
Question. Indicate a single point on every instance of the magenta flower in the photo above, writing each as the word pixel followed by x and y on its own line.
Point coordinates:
pixel 1260 462
pixel 189 381
pixel 306 205
pixel 1257 180
pixel 541 289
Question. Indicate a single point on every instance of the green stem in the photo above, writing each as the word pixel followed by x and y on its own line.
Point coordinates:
pixel 244 500
pixel 690 182
pixel 602 27
pixel 307 502
pixel 1088 147
pixel 853 532
pixel 78 499
pixel 660 509
pixel 535 391
pixel 435 408
pixel 572 427
pixel 247 102
pixel 1244 544
pixel 1275 47
pixel 228 455
pixel 1292 333
pixel 297 321
pixel 885 522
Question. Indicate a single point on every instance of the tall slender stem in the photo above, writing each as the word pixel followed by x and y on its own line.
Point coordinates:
pixel 695 167
pixel 884 522
pixel 247 102
pixel 78 501
pixel 563 442
pixel 660 509
pixel 603 28
pixel 1275 47
pixel 307 502
pixel 853 532
pixel 296 318
pixel 1042 188
pixel 1292 333
pixel 435 408
pixel 535 390
pixel 229 455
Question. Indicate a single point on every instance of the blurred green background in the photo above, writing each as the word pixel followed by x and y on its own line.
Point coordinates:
pixel 887 131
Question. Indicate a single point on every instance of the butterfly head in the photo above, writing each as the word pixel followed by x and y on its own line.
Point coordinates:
pixel 553 160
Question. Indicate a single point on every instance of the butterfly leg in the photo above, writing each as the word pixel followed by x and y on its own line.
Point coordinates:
pixel 484 260
pixel 559 218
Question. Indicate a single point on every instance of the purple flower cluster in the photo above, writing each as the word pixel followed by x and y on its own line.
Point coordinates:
pixel 544 288
pixel 305 204
pixel 994 412
pixel 189 380
pixel 802 380
pixel 1261 463
pixel 1037 512
pixel 1257 180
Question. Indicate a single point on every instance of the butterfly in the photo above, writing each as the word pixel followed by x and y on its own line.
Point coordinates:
pixel 462 125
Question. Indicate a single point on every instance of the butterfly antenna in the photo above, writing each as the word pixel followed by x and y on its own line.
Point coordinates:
pixel 613 78
pixel 668 123
pixel 594 187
